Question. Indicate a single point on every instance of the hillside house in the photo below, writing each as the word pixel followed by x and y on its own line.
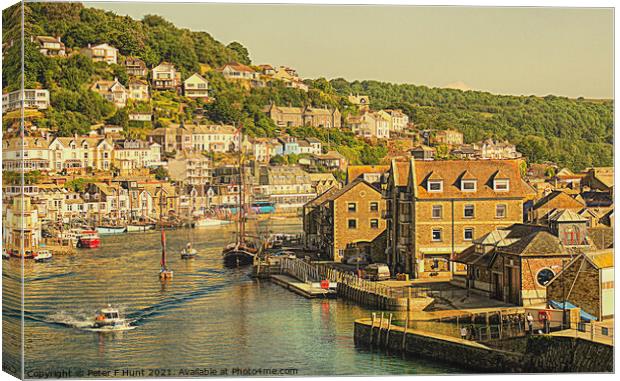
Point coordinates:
pixel 196 86
pixel 138 90
pixel 50 46
pixel 165 77
pixel 135 67
pixel 101 53
pixel 32 98
pixel 113 91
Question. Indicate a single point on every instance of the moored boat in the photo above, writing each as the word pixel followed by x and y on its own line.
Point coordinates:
pixel 239 254
pixel 88 239
pixel 209 221
pixel 139 227
pixel 110 229
pixel 43 256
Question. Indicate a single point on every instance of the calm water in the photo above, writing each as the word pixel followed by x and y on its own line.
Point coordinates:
pixel 206 317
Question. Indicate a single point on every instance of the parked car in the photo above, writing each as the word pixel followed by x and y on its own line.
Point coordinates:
pixel 377 271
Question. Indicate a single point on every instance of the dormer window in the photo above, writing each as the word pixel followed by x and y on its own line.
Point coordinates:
pixel 468 185
pixel 435 185
pixel 501 185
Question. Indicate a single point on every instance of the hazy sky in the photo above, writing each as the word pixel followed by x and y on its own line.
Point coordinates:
pixel 536 51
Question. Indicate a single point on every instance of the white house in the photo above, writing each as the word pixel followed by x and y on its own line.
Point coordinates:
pixel 235 70
pixel 79 153
pixel 113 91
pixel 101 53
pixel 196 86
pixel 28 154
pixel 32 98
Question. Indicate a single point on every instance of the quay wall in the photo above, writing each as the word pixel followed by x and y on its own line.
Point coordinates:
pixel 543 354
pixel 371 299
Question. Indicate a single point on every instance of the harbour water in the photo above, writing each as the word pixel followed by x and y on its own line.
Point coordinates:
pixel 207 317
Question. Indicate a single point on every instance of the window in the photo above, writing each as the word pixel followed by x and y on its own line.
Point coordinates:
pixel 468 234
pixel 501 185
pixel 352 206
pixel 352 224
pixel 436 235
pixel 437 211
pixel 468 185
pixel 374 223
pixel 468 211
pixel 544 276
pixel 374 206
pixel 500 211
pixel 435 185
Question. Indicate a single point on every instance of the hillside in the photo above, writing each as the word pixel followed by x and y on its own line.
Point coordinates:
pixel 571 132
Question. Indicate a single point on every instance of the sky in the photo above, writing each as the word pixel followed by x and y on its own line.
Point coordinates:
pixel 520 51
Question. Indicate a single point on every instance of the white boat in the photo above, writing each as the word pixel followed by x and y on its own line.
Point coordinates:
pixel 111 229
pixel 110 319
pixel 139 227
pixel 43 256
pixel 208 221
pixel 5 255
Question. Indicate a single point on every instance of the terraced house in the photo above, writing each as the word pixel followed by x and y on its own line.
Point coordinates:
pixel 442 206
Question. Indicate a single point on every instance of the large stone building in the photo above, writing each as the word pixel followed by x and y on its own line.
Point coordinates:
pixel 304 116
pixel 341 217
pixel 442 206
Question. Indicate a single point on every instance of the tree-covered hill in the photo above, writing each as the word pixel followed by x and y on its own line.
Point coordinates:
pixel 153 39
pixel 571 132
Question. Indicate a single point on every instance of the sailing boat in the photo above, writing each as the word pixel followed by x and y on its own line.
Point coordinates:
pixel 164 273
pixel 242 251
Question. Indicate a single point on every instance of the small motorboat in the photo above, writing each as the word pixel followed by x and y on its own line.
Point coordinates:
pixel 43 256
pixel 188 252
pixel 5 255
pixel 109 318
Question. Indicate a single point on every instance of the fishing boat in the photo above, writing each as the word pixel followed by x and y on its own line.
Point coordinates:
pixel 43 256
pixel 242 251
pixel 110 318
pixel 87 239
pixel 110 229
pixel 139 227
pixel 164 272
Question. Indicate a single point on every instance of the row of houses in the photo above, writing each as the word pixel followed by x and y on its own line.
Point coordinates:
pixel 258 78
pixel 304 116
pixel 378 124
pixel 57 154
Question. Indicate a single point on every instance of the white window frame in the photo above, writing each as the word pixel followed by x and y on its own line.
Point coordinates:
pixel 433 235
pixel 501 181
pixel 432 182
pixel 474 182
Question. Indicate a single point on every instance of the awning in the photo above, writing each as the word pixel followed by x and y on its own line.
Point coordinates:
pixel 568 305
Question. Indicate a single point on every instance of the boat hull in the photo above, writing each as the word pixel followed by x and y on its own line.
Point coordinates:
pixel 108 230
pixel 204 222
pixel 139 228
pixel 237 258
pixel 88 243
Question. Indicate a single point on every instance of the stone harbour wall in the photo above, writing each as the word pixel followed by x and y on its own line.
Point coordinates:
pixel 539 354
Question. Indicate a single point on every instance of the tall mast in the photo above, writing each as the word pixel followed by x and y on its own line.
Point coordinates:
pixel 163 249
pixel 241 193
